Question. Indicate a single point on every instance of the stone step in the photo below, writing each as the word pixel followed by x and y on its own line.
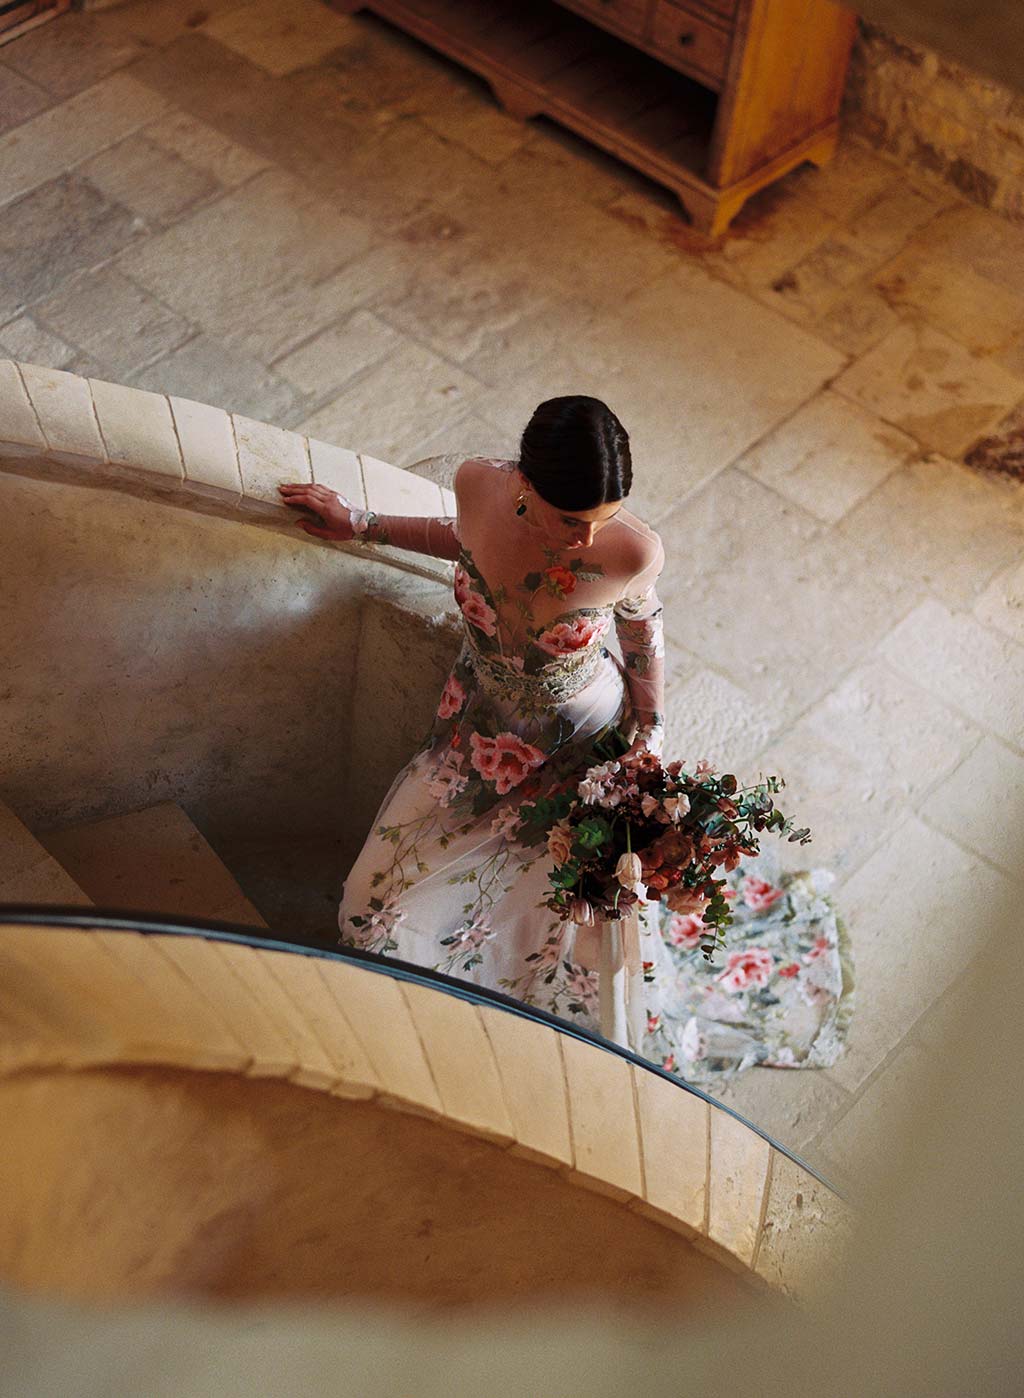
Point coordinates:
pixel 153 860
pixel 28 871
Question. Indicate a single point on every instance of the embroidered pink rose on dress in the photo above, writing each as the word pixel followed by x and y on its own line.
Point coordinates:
pixel 820 947
pixel 506 822
pixel 479 614
pixel 472 936
pixel 453 696
pixel 745 969
pixel 560 580
pixel 463 586
pixel 759 894
pixel 582 983
pixel 686 930
pixel 446 780
pixel 550 954
pixel 567 637
pixel 812 992
pixel 505 760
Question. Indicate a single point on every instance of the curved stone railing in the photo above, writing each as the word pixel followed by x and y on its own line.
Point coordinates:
pixel 79 991
pixel 56 425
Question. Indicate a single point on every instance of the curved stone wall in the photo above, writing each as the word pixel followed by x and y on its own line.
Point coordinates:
pixel 267 681
pixel 86 999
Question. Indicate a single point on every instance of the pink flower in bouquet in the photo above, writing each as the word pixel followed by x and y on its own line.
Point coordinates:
pixel 820 947
pixel 447 780
pixel 667 809
pixel 505 760
pixel 686 900
pixel 758 894
pixel 479 614
pixel 560 842
pixel 597 786
pixel 704 768
pixel 793 969
pixel 453 696
pixel 751 967
pixel 569 636
pixel 629 871
pixel 669 1063
pixel 687 930
pixel 652 1022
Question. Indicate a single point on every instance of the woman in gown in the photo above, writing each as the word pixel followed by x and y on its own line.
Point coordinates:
pixel 549 563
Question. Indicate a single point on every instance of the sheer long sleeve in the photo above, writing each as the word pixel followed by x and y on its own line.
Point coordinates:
pixel 640 632
pixel 417 533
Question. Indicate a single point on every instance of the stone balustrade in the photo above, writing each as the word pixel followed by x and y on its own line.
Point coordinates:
pixel 78 998
pixel 56 425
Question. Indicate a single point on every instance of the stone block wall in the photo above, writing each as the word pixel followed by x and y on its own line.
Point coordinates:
pixel 937 115
pixel 152 653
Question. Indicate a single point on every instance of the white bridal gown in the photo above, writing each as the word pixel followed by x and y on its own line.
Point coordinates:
pixel 442 882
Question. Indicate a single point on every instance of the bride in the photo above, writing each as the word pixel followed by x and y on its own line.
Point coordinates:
pixel 549 562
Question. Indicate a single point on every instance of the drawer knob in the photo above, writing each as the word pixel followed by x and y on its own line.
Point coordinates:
pixel 687 39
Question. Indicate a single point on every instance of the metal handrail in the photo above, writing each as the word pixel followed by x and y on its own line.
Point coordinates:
pixel 148 923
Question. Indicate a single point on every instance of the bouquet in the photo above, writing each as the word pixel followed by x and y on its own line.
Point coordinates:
pixel 635 827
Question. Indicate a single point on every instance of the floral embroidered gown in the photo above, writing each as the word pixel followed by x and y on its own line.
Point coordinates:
pixel 442 882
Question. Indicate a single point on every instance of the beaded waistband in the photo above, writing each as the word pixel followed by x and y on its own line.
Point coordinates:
pixel 558 682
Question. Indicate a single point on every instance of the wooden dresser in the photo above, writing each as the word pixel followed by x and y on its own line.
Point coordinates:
pixel 712 98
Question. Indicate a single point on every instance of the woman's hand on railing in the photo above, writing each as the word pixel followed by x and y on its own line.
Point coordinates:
pixel 336 516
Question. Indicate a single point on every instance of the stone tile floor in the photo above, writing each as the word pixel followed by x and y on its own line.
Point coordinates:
pixel 315 220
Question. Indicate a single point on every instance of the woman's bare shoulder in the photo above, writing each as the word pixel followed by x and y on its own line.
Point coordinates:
pixel 641 546
pixel 481 465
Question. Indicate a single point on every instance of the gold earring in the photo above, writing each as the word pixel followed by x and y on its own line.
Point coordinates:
pixel 521 503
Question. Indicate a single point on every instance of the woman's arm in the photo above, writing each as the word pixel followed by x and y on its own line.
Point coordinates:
pixel 640 631
pixel 342 521
pixel 418 533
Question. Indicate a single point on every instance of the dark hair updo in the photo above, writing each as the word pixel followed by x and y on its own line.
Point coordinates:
pixel 575 453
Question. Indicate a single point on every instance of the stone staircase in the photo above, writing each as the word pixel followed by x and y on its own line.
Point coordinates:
pixel 150 861
pixel 153 860
pixel 28 872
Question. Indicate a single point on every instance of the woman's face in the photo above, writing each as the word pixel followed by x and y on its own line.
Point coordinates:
pixel 571 528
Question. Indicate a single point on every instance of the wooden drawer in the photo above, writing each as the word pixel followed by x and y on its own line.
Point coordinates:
pixel 625 17
pixel 689 41
pixel 726 8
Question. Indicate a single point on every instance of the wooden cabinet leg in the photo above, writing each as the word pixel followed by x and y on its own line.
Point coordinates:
pixel 518 101
pixel 709 214
pixel 821 153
